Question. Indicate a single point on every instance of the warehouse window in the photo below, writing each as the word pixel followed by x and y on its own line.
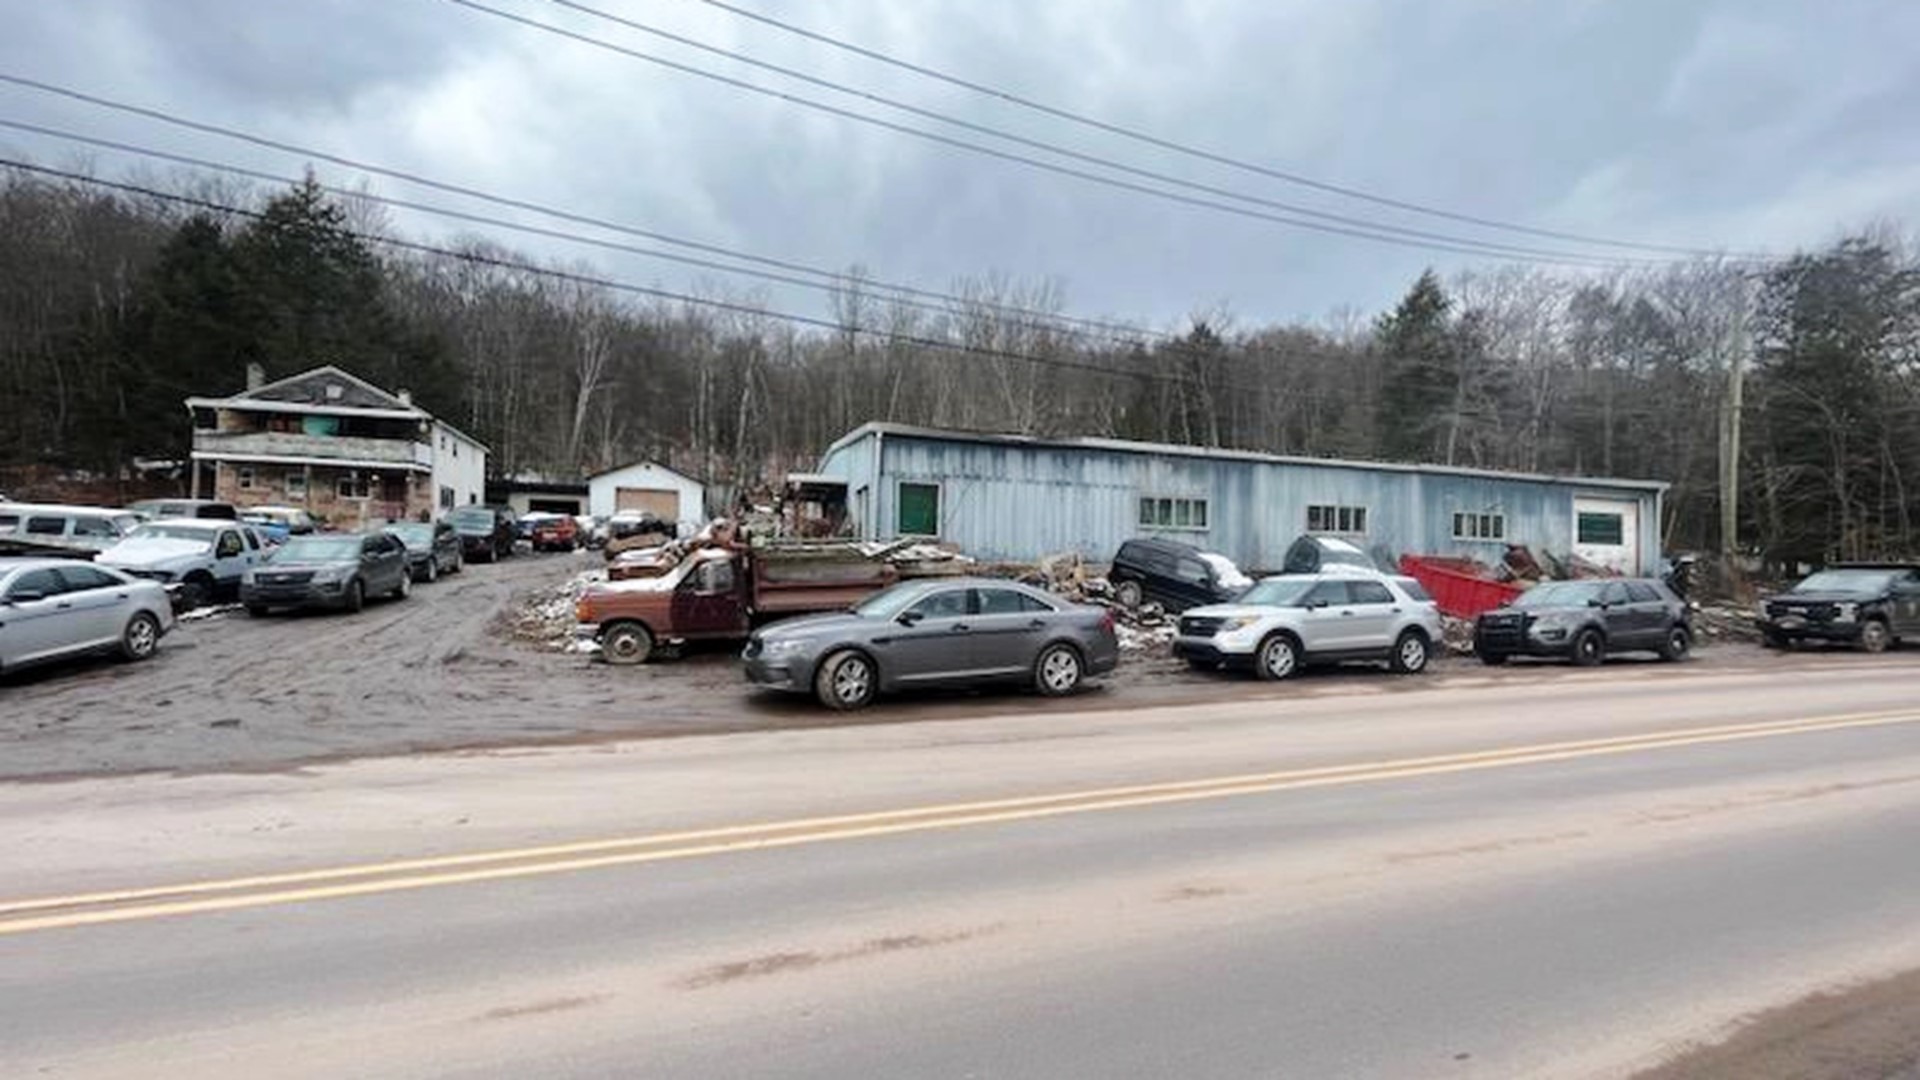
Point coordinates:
pixel 919 509
pixel 1172 512
pixel 1479 526
pixel 1608 530
pixel 1350 520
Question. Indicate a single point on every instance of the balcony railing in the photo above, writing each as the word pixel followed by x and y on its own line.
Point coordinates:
pixel 282 444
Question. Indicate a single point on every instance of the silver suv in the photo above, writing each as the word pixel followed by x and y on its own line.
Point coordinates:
pixel 1285 622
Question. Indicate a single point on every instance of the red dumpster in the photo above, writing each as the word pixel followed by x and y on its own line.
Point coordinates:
pixel 1460 587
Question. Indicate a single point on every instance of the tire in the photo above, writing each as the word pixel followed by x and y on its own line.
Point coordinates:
pixel 256 611
pixel 433 569
pixel 1129 594
pixel 405 588
pixel 1494 659
pixel 196 592
pixel 141 638
pixel 1278 658
pixel 1774 640
pixel 1678 646
pixel 1874 636
pixel 1589 649
pixel 1411 652
pixel 1058 670
pixel 356 596
pixel 459 562
pixel 846 681
pixel 627 644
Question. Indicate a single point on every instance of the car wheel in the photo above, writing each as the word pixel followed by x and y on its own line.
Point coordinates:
pixel 433 569
pixel 1589 649
pixel 1058 671
pixel 1776 641
pixel 257 611
pixel 196 592
pixel 405 587
pixel 846 681
pixel 1678 645
pixel 1409 654
pixel 141 637
pixel 1494 659
pixel 1279 657
pixel 356 595
pixel 1129 594
pixel 459 561
pixel 627 643
pixel 1874 637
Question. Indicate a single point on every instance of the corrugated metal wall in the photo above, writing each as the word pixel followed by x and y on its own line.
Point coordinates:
pixel 1020 502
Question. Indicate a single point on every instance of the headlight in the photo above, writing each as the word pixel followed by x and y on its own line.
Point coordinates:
pixel 331 574
pixel 1241 622
pixel 785 647
pixel 1846 612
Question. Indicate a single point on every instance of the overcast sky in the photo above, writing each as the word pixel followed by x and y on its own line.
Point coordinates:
pixel 1736 124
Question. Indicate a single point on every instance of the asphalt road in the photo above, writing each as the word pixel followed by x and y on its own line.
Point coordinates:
pixel 1572 877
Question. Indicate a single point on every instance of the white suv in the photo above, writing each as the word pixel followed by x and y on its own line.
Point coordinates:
pixel 1285 622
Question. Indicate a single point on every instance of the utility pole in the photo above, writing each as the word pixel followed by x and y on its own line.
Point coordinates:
pixel 1730 404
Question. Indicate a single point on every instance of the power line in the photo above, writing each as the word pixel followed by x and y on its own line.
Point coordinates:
pixel 535 230
pixel 839 277
pixel 1203 154
pixel 616 285
pixel 1382 233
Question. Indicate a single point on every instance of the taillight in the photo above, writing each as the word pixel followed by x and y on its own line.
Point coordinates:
pixel 1106 620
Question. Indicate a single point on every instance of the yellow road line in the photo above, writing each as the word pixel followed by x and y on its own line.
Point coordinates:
pixel 403 875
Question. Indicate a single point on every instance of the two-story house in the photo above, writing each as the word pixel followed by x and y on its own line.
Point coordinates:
pixel 335 444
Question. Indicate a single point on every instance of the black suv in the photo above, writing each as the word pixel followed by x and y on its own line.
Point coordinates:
pixel 486 533
pixel 1871 605
pixel 1585 620
pixel 1174 575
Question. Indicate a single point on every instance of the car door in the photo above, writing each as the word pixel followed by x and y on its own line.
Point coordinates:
pixel 34 622
pixel 230 558
pixel 938 644
pixel 1616 613
pixel 99 602
pixel 707 603
pixel 1650 614
pixel 1906 605
pixel 1374 615
pixel 1192 584
pixel 390 555
pixel 1325 617
pixel 1008 629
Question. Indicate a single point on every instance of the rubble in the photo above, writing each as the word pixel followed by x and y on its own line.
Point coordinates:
pixel 545 617
pixel 1723 622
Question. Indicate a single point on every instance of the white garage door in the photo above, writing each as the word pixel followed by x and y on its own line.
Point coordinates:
pixel 1607 531
pixel 659 502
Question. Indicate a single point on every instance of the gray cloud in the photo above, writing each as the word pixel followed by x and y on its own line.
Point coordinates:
pixel 1710 122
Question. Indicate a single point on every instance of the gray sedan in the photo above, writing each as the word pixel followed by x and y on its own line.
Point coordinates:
pixel 56 608
pixel 954 631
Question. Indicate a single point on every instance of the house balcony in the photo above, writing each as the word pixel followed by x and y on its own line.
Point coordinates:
pixel 296 448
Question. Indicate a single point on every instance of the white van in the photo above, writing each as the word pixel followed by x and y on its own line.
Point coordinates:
pixel 87 528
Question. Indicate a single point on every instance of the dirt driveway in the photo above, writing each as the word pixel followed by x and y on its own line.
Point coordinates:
pixel 439 672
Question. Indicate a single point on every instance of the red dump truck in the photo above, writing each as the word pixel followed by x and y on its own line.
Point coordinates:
pixel 722 593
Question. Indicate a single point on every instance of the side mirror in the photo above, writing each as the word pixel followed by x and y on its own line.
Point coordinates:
pixel 1596 602
pixel 909 618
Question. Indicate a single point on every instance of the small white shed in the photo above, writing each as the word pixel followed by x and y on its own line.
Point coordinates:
pixel 650 487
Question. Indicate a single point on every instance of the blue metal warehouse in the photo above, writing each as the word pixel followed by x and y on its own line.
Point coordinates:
pixel 1016 498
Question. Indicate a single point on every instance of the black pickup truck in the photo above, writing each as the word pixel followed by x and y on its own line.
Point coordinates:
pixel 1868 605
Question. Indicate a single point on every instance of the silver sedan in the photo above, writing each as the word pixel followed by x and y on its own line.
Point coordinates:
pixel 952 631
pixel 56 608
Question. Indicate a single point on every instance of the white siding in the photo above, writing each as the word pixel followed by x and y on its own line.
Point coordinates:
pixel 601 489
pixel 458 463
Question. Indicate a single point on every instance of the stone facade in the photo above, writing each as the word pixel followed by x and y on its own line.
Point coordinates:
pixel 351 499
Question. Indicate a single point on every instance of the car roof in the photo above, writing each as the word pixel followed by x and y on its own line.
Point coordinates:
pixel 208 524
pixel 10 563
pixel 65 508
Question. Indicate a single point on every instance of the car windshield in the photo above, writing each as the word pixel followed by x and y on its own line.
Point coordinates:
pixel 319 549
pixel 413 533
pixel 1278 592
pixel 1561 594
pixel 1847 581
pixel 890 602
pixel 473 519
pixel 172 532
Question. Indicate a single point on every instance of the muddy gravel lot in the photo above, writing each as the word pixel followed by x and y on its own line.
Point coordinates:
pixel 445 670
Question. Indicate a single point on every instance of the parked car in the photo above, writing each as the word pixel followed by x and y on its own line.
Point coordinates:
pixel 1311 554
pixel 279 523
pixel 329 570
pixel 1584 621
pixel 1174 575
pixel 486 532
pixel 1288 622
pixel 83 528
pixel 943 632
pixel 555 532
pixel 1868 605
pixel 631 529
pixel 432 548
pixel 56 608
pixel 198 560
pixel 156 509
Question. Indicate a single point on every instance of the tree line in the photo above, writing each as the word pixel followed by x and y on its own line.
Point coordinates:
pixel 115 306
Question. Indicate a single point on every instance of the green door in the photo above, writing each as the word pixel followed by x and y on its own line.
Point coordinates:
pixel 919 510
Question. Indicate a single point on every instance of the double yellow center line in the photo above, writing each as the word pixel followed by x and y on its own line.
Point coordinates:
pixel 231 894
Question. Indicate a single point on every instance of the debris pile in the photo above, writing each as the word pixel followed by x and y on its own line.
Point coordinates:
pixel 1143 629
pixel 1722 622
pixel 545 617
pixel 1457 635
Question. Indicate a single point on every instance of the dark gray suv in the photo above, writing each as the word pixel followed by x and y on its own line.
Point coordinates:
pixel 1583 621
pixel 1174 575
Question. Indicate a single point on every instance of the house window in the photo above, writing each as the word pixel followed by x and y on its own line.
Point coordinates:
pixel 352 485
pixel 243 477
pixel 1489 526
pixel 1348 520
pixel 1173 512
pixel 1607 530
pixel 297 486
pixel 919 509
pixel 446 498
